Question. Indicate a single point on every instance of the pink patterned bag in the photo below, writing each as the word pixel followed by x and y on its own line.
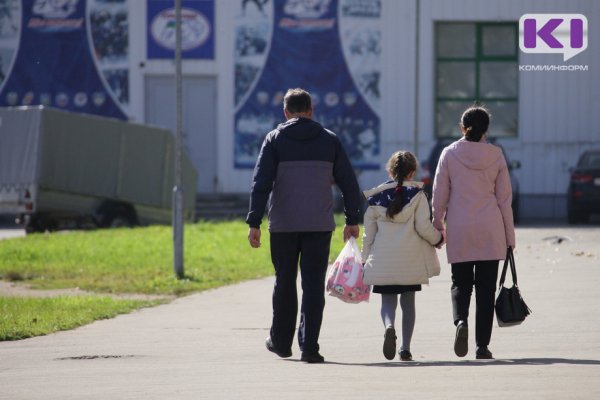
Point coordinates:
pixel 345 276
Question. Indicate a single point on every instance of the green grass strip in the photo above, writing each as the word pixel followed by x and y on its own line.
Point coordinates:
pixel 22 317
pixel 140 260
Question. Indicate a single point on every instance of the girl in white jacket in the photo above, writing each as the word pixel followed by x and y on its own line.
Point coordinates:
pixel 398 247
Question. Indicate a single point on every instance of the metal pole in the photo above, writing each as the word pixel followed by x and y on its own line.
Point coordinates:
pixel 417 66
pixel 178 189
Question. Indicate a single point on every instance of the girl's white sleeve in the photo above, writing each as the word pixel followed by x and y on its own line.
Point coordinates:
pixel 369 231
pixel 423 225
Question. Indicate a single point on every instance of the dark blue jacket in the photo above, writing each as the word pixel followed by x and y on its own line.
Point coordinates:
pixel 298 163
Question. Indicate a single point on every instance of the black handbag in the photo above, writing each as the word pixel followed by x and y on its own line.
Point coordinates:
pixel 510 307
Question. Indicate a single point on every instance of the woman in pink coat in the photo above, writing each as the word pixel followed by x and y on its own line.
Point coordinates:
pixel 472 192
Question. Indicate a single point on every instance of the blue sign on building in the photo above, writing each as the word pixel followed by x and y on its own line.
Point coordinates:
pixel 197 29
pixel 47 58
pixel 332 48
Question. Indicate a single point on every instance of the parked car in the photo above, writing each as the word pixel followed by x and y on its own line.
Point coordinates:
pixel 583 196
pixel 429 166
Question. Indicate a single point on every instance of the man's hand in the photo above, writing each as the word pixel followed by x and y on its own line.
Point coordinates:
pixel 351 231
pixel 254 237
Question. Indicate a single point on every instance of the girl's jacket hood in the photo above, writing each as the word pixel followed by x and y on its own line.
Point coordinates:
pixel 399 251
pixel 475 155
pixel 383 195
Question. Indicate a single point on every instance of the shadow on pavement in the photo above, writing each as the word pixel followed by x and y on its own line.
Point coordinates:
pixel 477 363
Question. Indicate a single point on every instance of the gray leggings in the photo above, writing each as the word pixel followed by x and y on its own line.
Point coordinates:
pixel 389 302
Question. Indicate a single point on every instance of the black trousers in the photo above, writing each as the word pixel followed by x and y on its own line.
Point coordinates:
pixel 311 249
pixel 483 275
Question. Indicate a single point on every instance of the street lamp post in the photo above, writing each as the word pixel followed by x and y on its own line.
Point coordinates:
pixel 178 189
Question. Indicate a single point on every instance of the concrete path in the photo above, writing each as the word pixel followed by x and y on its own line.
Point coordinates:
pixel 211 345
pixel 11 233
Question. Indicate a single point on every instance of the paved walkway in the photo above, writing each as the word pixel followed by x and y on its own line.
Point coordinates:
pixel 211 345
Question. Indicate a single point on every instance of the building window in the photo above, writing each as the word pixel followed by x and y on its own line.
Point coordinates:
pixel 477 62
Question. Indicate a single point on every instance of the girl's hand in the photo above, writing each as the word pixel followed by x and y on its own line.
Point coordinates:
pixel 439 246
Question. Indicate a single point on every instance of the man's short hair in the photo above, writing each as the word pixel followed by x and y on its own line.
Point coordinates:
pixel 297 101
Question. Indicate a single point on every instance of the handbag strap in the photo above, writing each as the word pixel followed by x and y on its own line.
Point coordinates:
pixel 509 260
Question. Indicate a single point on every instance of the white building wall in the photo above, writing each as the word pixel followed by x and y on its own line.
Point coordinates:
pixel 559 112
pixel 397 84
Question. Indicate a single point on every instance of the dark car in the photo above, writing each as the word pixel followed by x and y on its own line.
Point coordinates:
pixel 583 197
pixel 429 166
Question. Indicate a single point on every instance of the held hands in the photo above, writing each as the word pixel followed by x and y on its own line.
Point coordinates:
pixel 254 237
pixel 439 246
pixel 351 231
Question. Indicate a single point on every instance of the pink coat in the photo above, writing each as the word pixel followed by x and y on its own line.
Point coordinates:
pixel 472 190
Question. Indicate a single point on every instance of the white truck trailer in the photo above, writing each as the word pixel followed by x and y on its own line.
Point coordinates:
pixel 61 170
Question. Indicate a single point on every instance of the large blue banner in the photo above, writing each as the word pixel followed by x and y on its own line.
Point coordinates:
pixel 56 59
pixel 331 48
pixel 197 29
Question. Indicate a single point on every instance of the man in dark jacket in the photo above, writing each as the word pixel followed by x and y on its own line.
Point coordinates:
pixel 297 165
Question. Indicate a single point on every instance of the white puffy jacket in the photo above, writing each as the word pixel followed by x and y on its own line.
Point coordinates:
pixel 399 251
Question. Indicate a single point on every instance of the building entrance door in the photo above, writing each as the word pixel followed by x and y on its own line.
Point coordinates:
pixel 199 120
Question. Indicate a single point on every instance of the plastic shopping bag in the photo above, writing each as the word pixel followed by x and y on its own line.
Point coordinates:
pixel 345 276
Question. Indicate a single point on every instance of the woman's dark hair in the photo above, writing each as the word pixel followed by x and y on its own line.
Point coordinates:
pixel 399 166
pixel 475 121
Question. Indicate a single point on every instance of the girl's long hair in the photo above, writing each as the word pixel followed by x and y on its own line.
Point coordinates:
pixel 399 166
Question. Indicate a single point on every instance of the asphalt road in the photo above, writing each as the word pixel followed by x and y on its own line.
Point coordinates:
pixel 211 345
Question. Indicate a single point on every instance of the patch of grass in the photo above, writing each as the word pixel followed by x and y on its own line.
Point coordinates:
pixel 140 260
pixel 21 318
